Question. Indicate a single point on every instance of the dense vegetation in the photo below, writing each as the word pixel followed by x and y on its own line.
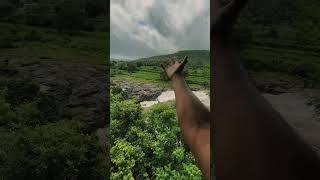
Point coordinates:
pixel 147 144
pixel 71 30
pixel 60 14
pixel 282 37
pixel 34 144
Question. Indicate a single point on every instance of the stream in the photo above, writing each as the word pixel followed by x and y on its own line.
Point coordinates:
pixel 168 95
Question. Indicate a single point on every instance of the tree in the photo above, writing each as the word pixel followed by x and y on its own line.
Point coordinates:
pixel 95 7
pixel 147 144
pixel 131 67
pixel 55 151
pixel 6 8
pixel 70 15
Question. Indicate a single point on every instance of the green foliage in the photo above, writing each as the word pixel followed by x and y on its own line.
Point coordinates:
pixel 147 144
pixel 20 91
pixel 61 14
pixel 55 151
pixel 95 7
pixel 32 147
pixel 6 8
pixel 48 107
pixel 131 67
pixel 70 15
pixel 7 116
pixel 189 171
pixel 179 153
pixel 125 157
pixel 7 42
pixel 33 36
pixel 28 114
pixel 124 113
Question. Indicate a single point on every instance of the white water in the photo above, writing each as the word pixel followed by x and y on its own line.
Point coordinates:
pixel 169 96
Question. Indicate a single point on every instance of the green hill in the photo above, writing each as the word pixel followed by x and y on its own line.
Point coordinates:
pixel 195 57
pixel 148 70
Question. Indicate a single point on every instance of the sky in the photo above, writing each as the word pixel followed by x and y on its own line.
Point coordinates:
pixel 144 28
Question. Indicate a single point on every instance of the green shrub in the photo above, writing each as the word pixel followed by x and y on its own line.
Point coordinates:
pixel 7 42
pixel 29 114
pixel 6 9
pixel 33 35
pixel 20 91
pixel 148 144
pixel 131 67
pixel 7 116
pixel 55 151
pixel 304 70
pixel 48 107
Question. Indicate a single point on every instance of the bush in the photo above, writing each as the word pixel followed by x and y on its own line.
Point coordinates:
pixel 70 16
pixel 48 107
pixel 55 151
pixel 131 67
pixel 6 9
pixel 148 144
pixel 304 70
pixel 6 42
pixel 7 116
pixel 125 157
pixel 33 36
pixel 123 114
pixel 21 91
pixel 28 114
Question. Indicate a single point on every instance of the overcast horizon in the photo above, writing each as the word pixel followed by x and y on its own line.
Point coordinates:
pixel 144 28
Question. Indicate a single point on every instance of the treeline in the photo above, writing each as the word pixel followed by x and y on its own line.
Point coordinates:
pixel 196 58
pixel 59 14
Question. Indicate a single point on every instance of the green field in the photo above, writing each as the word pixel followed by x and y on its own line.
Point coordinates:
pixel 26 41
pixel 148 70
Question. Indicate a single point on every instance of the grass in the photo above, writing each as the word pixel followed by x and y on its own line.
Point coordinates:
pixel 45 43
pixel 151 74
pixel 288 55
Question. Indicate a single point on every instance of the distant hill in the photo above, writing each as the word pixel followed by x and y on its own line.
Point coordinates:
pixel 195 57
pixel 289 23
pixel 115 59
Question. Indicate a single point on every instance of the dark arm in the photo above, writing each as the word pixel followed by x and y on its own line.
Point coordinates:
pixel 251 140
pixel 193 116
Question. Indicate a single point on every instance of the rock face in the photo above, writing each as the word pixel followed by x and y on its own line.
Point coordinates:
pixel 80 90
pixel 141 91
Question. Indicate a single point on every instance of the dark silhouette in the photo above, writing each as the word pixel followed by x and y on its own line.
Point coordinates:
pixel 250 139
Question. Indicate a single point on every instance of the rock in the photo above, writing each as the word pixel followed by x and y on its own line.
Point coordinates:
pixel 80 90
pixel 143 92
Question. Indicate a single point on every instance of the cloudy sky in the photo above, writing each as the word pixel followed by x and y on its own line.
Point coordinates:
pixel 142 28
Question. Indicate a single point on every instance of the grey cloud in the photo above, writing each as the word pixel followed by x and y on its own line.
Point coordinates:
pixel 141 28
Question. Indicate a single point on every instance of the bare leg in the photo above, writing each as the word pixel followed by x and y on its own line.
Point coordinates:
pixel 194 121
